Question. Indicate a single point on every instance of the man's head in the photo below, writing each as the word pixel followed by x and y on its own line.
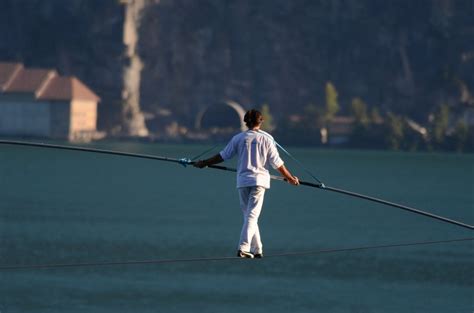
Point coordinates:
pixel 253 118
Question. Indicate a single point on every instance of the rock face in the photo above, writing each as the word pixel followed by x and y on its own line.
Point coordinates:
pixel 403 56
pixel 400 56
pixel 133 120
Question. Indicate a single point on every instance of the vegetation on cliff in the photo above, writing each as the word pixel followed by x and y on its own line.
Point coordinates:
pixel 409 62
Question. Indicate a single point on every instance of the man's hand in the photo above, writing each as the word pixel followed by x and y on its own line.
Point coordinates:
pixel 294 181
pixel 289 178
pixel 200 164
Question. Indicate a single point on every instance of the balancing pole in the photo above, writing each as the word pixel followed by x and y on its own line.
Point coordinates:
pixel 186 161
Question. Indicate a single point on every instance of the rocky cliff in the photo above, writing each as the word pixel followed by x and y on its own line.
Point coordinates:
pixel 404 56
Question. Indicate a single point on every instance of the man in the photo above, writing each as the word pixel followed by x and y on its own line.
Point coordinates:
pixel 256 150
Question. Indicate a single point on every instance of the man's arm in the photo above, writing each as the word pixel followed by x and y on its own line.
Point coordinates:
pixel 289 178
pixel 211 161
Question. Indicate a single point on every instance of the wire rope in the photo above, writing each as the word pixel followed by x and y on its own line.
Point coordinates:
pixel 226 258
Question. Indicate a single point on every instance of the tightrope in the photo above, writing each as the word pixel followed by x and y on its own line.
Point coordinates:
pixel 225 258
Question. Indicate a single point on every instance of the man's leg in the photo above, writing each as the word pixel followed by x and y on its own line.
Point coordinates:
pixel 244 193
pixel 251 204
pixel 256 246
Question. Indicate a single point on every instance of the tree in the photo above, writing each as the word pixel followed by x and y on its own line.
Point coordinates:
pixel 440 124
pixel 359 110
pixel 395 131
pixel 361 133
pixel 268 124
pixel 375 117
pixel 461 134
pixel 332 106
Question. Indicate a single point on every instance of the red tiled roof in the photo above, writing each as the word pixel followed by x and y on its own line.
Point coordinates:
pixel 45 84
pixel 7 72
pixel 28 80
pixel 67 88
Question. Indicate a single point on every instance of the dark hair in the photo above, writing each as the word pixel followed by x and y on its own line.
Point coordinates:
pixel 253 118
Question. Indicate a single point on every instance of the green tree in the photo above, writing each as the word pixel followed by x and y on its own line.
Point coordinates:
pixel 395 131
pixel 375 117
pixel 360 135
pixel 440 124
pixel 461 135
pixel 268 124
pixel 359 111
pixel 332 106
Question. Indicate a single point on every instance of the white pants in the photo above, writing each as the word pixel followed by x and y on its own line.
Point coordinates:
pixel 251 201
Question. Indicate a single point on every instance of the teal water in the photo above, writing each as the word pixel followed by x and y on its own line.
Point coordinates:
pixel 68 207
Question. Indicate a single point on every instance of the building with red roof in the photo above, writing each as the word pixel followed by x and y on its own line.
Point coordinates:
pixel 41 103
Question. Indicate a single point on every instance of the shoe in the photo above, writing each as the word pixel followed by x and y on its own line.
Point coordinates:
pixel 258 255
pixel 245 255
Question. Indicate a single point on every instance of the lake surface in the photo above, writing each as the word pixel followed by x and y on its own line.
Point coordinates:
pixel 72 207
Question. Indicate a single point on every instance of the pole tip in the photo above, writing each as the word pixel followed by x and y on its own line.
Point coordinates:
pixel 184 161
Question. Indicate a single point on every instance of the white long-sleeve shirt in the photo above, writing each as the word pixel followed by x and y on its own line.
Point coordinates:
pixel 256 151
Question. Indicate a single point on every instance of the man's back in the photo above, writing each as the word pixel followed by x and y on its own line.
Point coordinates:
pixel 256 151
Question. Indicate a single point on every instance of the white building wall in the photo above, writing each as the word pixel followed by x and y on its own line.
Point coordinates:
pixel 83 115
pixel 24 118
